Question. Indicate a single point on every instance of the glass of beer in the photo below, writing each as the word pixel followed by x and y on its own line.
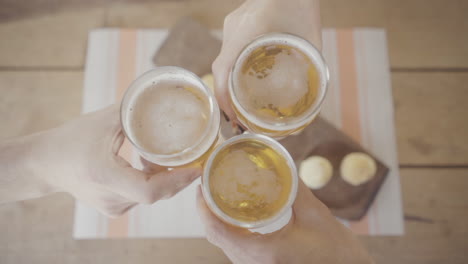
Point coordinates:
pixel 170 117
pixel 250 181
pixel 277 84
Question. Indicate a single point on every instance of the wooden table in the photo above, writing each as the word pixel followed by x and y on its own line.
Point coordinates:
pixel 42 53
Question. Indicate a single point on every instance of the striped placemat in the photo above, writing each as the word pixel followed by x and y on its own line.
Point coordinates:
pixel 359 102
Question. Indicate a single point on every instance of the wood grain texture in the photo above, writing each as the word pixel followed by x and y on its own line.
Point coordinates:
pixel 34 101
pixel 435 203
pixel 431 118
pixel 165 14
pixel 417 250
pixel 13 10
pixel 54 40
pixel 421 33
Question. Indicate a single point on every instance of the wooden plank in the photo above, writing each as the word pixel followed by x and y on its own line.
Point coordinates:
pixel 431 118
pixel 435 204
pixel 415 250
pixel 33 101
pixel 421 33
pixel 427 33
pixel 51 40
pixel 165 14
pixel 14 10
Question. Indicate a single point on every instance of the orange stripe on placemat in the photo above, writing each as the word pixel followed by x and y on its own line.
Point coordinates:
pixel 351 122
pixel 125 74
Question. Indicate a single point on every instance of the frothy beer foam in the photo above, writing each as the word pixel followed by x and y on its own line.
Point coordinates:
pixel 168 117
pixel 283 85
pixel 277 83
pixel 240 179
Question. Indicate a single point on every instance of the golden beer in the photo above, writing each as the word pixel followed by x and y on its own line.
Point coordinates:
pixel 277 84
pixel 250 181
pixel 170 117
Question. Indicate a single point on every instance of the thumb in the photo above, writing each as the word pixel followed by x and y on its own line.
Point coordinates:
pixel 141 187
pixel 221 69
pixel 170 182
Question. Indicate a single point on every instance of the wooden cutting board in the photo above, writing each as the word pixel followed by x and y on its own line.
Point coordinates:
pixel 323 139
pixel 190 45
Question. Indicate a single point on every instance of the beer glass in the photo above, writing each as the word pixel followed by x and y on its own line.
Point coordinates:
pixel 251 181
pixel 170 117
pixel 277 84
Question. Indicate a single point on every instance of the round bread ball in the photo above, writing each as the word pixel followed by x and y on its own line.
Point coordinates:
pixel 316 172
pixel 357 168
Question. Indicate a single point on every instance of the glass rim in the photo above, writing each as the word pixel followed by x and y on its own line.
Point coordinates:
pixel 302 45
pixel 276 146
pixel 153 73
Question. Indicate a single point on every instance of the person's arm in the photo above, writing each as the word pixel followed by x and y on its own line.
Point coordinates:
pixel 18 177
pixel 81 158
pixel 313 235
pixel 257 17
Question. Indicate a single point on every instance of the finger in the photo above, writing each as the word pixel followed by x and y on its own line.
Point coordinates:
pixel 118 211
pixel 116 144
pixel 173 181
pixel 217 232
pixel 221 70
pixel 111 204
pixel 151 168
pixel 108 117
pixel 149 185
pixel 103 124
pixel 145 188
pixel 118 139
pixel 126 208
